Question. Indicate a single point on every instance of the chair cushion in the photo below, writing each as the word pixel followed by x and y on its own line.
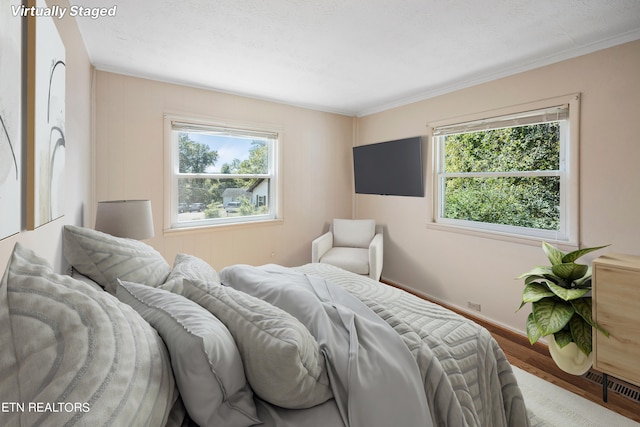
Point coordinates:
pixel 355 260
pixel 353 233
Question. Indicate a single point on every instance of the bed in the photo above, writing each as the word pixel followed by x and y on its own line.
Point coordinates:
pixel 128 339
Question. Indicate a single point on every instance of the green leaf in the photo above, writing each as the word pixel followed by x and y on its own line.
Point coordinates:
pixel 533 331
pixel 572 256
pixel 581 333
pixel 537 272
pixel 555 255
pixel 535 292
pixel 567 294
pixel 563 338
pixel 551 315
pixel 557 296
pixel 583 307
pixel 570 271
pixel 584 281
pixel 532 279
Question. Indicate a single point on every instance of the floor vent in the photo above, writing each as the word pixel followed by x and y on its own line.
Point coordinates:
pixel 620 387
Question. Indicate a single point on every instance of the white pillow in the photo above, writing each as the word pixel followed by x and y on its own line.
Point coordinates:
pixel 206 363
pixel 282 360
pixel 105 258
pixel 64 342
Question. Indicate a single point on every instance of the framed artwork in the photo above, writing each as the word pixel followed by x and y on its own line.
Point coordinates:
pixel 45 120
pixel 10 121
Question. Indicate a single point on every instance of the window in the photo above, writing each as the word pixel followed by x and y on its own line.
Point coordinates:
pixel 512 174
pixel 221 175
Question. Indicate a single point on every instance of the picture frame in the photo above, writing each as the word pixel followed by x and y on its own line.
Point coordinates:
pixel 46 85
pixel 11 119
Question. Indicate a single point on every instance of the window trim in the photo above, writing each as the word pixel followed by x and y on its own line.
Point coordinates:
pixel 171 224
pixel 569 202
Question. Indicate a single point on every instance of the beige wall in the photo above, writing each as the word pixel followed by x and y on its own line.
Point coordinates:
pixel 127 142
pixel 457 268
pixel 316 168
pixel 47 239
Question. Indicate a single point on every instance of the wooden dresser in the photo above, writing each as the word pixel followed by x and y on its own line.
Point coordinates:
pixel 616 308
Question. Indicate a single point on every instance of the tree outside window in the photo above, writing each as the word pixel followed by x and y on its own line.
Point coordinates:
pixel 221 175
pixel 509 174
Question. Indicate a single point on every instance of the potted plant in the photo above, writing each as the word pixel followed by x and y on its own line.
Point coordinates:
pixel 560 297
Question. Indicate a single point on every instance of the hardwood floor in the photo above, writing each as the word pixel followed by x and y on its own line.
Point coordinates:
pixel 537 361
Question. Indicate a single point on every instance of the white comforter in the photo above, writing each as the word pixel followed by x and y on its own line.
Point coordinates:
pixel 374 377
pixel 409 354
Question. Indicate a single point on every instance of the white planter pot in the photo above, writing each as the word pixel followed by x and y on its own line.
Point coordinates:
pixel 569 358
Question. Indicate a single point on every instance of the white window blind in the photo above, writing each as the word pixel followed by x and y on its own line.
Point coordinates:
pixel 219 130
pixel 545 115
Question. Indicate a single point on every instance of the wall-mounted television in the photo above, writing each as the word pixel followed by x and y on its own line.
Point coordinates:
pixel 389 168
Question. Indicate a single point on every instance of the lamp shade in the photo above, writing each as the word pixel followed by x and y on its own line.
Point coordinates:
pixel 125 218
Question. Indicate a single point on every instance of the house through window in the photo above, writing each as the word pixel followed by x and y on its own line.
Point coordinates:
pixel 221 175
pixel 512 174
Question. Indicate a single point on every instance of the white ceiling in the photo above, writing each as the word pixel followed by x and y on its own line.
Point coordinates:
pixel 352 57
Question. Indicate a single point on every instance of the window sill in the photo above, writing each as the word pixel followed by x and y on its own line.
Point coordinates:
pixel 507 237
pixel 214 227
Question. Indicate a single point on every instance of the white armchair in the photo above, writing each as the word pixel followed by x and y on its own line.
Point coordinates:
pixel 352 244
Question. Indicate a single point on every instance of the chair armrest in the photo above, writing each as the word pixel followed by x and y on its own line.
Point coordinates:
pixel 376 257
pixel 320 246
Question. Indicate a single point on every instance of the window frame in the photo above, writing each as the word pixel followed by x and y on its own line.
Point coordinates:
pixel 568 235
pixel 172 174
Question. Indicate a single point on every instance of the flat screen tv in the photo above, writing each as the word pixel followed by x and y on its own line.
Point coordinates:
pixel 389 168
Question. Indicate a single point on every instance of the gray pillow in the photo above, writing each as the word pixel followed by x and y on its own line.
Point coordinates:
pixel 66 342
pixel 105 258
pixel 206 363
pixel 193 268
pixel 282 360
